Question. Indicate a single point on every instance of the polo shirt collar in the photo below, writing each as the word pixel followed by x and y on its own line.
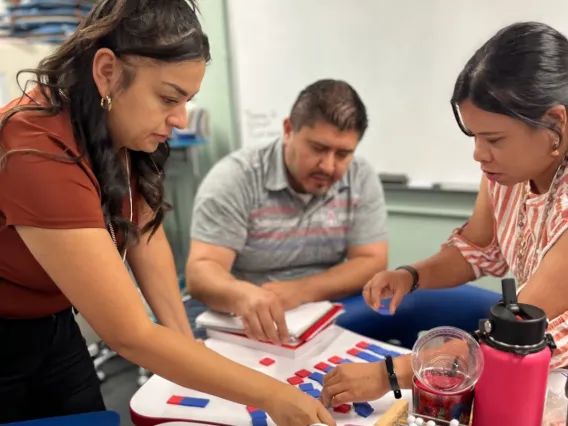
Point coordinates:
pixel 276 176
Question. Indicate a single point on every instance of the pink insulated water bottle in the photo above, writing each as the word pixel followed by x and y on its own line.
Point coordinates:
pixel 517 352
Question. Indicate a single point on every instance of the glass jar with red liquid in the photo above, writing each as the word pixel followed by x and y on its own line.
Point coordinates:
pixel 447 362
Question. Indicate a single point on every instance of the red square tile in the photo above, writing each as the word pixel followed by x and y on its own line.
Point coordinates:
pixel 362 345
pixel 251 409
pixel 335 359
pixel 321 366
pixel 295 380
pixel 353 351
pixel 343 408
pixel 267 361
pixel 175 400
pixel 303 373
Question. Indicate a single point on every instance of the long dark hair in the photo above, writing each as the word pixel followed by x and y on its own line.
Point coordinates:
pixel 521 72
pixel 160 30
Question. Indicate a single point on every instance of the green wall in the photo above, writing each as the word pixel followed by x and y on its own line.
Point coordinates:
pixel 419 221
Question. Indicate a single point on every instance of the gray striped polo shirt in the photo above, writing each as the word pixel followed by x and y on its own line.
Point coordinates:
pixel 245 203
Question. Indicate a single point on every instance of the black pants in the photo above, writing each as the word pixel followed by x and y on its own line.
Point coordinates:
pixel 45 369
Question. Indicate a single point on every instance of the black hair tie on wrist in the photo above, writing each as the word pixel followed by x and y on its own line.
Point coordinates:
pixel 392 377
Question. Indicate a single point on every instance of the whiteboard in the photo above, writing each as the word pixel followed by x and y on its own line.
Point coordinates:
pixel 403 58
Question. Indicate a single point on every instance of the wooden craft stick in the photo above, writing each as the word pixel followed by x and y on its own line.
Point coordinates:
pixel 397 411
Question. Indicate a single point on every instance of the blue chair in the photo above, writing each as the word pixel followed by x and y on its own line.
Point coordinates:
pixel 102 418
pixel 460 307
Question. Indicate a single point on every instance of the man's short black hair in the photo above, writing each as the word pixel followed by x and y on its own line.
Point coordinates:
pixel 332 101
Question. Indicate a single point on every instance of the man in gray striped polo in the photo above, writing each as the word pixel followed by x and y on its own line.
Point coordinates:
pixel 297 220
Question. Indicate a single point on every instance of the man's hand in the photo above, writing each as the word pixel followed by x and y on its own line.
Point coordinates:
pixel 354 382
pixel 263 315
pixel 289 293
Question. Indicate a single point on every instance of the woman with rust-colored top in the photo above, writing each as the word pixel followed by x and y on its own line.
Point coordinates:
pixel 81 191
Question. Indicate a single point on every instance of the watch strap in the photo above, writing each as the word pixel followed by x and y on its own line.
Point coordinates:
pixel 392 377
pixel 415 277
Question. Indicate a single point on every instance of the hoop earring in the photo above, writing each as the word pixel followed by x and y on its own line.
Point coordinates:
pixel 555 146
pixel 106 103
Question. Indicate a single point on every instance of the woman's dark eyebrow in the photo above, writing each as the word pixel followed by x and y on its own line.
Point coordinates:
pixel 176 87
pixel 489 133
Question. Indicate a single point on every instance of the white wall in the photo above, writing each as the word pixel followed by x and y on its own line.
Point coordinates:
pixel 17 55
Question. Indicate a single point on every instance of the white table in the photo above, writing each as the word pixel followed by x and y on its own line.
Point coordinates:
pixel 149 405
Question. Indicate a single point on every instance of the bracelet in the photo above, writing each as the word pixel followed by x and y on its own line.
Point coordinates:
pixel 415 277
pixel 392 377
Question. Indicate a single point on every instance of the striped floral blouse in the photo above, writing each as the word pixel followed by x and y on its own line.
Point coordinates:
pixel 499 257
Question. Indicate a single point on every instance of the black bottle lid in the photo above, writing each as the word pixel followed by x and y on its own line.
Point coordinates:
pixel 515 327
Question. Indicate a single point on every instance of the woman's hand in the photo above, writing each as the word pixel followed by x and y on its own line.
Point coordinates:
pixel 355 382
pixel 289 406
pixel 387 285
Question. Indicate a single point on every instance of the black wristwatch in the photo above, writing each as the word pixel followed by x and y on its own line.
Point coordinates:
pixel 392 377
pixel 415 277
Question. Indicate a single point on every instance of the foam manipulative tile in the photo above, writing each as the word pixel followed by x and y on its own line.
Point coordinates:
pixel 251 409
pixel 303 373
pixel 259 417
pixel 194 402
pixel 382 351
pixel 368 357
pixel 364 409
pixel 345 361
pixel 258 421
pixel 317 376
pixel 266 361
pixel 306 387
pixel 343 408
pixel 295 380
pixel 378 351
pixel 353 351
pixel 258 414
pixel 328 369
pixel 175 400
pixel 335 359
pixel 362 345
pixel 314 392
pixel 321 366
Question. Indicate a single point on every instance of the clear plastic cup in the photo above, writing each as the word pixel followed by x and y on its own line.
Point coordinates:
pixel 447 360
pixel 556 408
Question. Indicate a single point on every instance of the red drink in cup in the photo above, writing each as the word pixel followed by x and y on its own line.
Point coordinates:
pixel 441 404
pixel 447 362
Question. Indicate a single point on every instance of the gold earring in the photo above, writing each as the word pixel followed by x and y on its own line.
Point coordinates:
pixel 555 146
pixel 106 103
